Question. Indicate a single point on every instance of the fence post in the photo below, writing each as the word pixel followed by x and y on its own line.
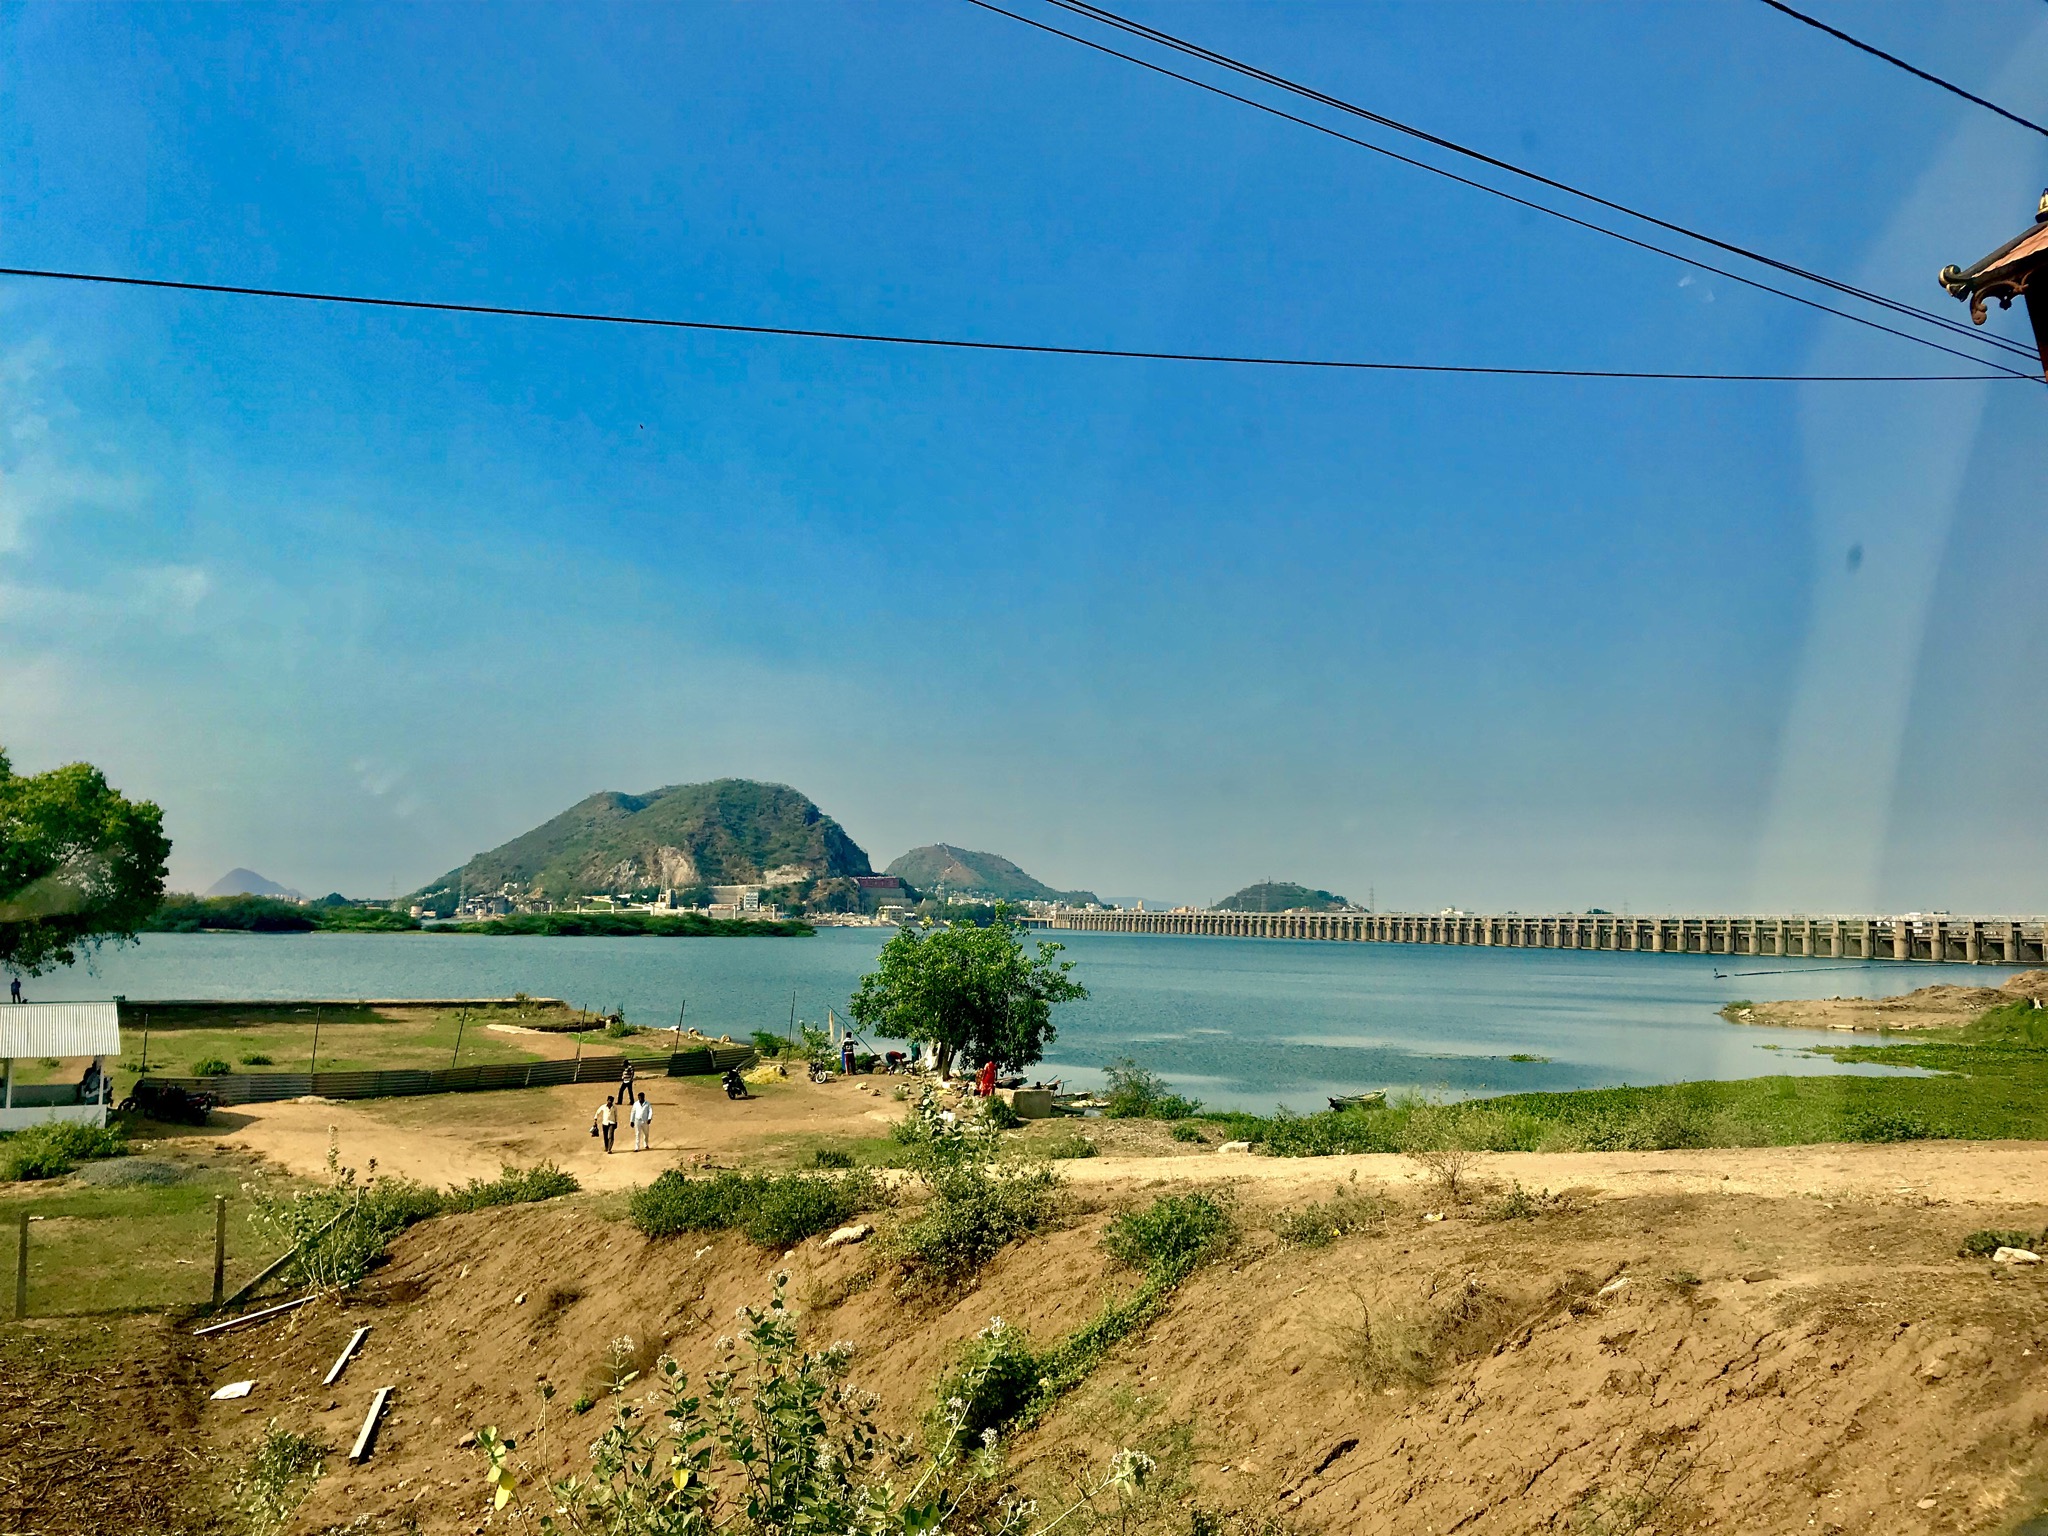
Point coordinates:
pixel 220 1249
pixel 21 1273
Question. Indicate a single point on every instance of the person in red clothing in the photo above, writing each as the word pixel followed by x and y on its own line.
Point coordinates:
pixel 985 1083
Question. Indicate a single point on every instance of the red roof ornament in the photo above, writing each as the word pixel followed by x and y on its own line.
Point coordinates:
pixel 2008 273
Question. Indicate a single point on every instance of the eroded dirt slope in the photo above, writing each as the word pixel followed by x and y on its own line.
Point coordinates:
pixel 1769 1364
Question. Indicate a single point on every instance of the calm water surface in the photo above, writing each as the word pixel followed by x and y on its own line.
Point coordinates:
pixel 1242 1023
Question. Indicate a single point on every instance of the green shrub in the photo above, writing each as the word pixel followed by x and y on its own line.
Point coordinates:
pixel 974 1209
pixel 1001 1114
pixel 995 1383
pixel 512 1186
pixel 338 1230
pixel 1183 1131
pixel 1170 1237
pixel 768 1043
pixel 776 1211
pixel 1071 1145
pixel 828 1157
pixel 1891 1125
pixel 1138 1094
pixel 675 1203
pixel 211 1066
pixel 1982 1244
pixel 273 1484
pixel 256 1059
pixel 51 1150
pixel 788 1210
pixel 1319 1225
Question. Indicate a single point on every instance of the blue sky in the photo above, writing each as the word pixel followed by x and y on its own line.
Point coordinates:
pixel 354 594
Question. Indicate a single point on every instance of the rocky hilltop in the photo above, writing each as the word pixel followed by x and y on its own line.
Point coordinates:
pixel 963 872
pixel 684 837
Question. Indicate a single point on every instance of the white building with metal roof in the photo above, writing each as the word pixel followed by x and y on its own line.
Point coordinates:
pixel 59 1032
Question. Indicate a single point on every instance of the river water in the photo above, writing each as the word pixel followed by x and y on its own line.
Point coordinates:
pixel 1238 1023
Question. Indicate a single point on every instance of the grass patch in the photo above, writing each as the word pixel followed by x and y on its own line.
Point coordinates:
pixel 1070 1145
pixel 1989 1082
pixel 144 1247
pixel 775 1211
pixel 1984 1243
pixel 279 1037
pixel 52 1150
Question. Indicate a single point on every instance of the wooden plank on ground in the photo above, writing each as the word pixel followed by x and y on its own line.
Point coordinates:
pixel 347 1352
pixel 360 1452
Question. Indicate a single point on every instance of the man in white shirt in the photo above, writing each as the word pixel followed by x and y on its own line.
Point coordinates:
pixel 642 1116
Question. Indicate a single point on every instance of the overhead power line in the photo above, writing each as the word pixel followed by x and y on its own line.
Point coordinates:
pixel 1194 50
pixel 594 317
pixel 1893 59
pixel 1523 202
pixel 1197 50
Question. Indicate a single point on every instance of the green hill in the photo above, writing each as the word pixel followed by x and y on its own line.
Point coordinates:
pixel 961 872
pixel 687 836
pixel 1281 896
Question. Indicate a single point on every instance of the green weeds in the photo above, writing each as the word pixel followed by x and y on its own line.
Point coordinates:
pixel 337 1230
pixel 775 1211
pixel 1987 1081
pixel 279 1475
pixel 1002 1379
pixel 512 1186
pixel 51 1150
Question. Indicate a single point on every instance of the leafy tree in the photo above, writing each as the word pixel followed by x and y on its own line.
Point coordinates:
pixel 969 991
pixel 80 864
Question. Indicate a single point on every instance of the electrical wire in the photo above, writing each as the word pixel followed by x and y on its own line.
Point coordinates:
pixel 1878 53
pixel 368 301
pixel 1523 202
pixel 1194 50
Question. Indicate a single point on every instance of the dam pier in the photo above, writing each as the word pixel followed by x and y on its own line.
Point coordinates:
pixel 1956 940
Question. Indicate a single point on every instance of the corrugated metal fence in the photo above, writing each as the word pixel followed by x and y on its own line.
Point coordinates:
pixel 268 1087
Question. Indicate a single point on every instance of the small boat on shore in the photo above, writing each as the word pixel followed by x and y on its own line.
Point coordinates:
pixel 1374 1100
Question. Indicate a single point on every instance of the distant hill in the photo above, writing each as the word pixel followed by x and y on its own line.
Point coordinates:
pixel 1281 896
pixel 963 872
pixel 246 882
pixel 727 832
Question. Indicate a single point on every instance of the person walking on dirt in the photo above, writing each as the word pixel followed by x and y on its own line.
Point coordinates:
pixel 642 1116
pixel 626 1086
pixel 608 1123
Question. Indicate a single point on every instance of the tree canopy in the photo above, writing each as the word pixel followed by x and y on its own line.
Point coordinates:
pixel 972 992
pixel 80 864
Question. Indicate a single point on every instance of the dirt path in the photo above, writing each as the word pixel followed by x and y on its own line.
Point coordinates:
pixel 451 1138
pixel 1960 1172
